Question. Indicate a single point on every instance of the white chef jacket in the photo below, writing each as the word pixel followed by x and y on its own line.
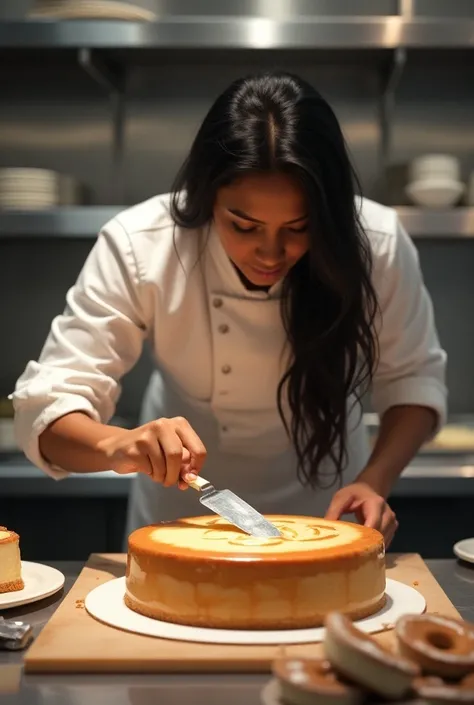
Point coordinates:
pixel 218 351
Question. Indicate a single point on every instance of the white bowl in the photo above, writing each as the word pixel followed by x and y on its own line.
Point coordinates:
pixel 435 193
pixel 435 166
pixel 470 190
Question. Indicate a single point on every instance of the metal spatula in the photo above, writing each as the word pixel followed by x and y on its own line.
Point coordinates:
pixel 231 507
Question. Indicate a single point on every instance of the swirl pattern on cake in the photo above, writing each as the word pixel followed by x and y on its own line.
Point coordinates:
pixel 290 531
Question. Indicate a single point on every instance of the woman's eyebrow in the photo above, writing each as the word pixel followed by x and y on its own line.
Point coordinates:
pixel 245 216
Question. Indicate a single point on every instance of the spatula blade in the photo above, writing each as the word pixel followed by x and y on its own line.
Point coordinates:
pixel 238 512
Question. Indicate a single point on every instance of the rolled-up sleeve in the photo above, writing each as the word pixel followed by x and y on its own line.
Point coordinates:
pixel 91 345
pixel 412 364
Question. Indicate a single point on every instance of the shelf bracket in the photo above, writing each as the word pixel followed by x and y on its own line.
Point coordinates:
pixel 406 9
pixel 387 109
pixel 395 73
pixel 112 79
pixel 101 72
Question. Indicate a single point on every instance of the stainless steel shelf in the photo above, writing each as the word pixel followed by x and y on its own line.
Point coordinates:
pixel 419 223
pixel 86 221
pixel 227 32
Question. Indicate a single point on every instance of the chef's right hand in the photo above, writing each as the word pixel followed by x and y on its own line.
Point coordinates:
pixel 165 449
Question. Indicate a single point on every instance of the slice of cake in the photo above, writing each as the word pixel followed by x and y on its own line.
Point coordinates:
pixel 10 561
pixel 203 571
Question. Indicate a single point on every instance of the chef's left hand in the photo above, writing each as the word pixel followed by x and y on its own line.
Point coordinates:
pixel 369 507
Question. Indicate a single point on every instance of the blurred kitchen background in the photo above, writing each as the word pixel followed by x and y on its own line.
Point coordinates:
pixel 104 99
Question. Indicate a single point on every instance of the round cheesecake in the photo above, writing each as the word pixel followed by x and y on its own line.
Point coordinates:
pixel 203 571
pixel 10 562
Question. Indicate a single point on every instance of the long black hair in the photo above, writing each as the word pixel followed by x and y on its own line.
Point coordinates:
pixel 278 122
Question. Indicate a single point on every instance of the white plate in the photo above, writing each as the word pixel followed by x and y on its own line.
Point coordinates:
pixel 91 9
pixel 465 550
pixel 16 172
pixel 106 604
pixel 40 581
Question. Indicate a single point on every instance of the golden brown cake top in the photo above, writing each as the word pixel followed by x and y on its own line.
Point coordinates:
pixel 302 536
pixel 7 536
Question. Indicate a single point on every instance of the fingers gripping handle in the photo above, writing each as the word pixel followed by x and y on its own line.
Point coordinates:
pixel 199 483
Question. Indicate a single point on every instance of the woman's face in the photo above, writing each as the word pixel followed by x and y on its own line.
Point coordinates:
pixel 262 222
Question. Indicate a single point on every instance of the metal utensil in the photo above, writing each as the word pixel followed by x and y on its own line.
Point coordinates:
pixel 14 635
pixel 231 507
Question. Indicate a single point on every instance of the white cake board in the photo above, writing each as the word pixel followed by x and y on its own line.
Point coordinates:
pixel 106 604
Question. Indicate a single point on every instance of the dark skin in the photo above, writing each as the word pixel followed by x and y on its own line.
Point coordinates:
pixel 262 223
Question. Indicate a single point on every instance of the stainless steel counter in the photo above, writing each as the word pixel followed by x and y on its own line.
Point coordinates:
pixel 456 579
pixel 433 476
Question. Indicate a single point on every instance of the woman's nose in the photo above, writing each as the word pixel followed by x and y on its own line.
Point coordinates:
pixel 271 248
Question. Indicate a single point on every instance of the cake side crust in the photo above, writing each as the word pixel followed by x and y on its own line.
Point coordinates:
pixel 317 620
pixel 12 586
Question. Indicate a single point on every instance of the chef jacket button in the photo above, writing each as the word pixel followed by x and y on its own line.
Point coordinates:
pixel 217 303
pixel 223 328
pixel 226 369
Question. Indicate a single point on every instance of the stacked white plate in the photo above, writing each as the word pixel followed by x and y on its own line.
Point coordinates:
pixel 435 181
pixel 36 189
pixel 93 9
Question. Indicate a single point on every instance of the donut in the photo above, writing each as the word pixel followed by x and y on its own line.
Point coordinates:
pixel 442 646
pixel 312 682
pixel 361 659
pixel 434 691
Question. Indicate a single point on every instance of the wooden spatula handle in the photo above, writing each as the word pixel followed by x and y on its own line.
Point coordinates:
pixel 198 484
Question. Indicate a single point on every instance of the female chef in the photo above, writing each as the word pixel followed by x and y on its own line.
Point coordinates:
pixel 273 299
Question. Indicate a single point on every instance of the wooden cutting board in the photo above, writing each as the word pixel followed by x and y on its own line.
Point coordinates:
pixel 73 641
